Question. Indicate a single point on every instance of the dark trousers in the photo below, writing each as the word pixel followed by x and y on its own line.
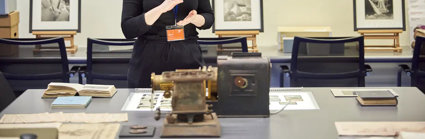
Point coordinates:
pixel 158 55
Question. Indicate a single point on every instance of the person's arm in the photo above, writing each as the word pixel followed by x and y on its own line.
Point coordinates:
pixel 205 11
pixel 135 23
pixel 203 20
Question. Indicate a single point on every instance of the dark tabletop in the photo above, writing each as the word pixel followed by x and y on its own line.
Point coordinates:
pixel 299 124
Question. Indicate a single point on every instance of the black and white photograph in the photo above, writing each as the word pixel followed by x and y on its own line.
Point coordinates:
pixel 237 15
pixel 55 15
pixel 237 10
pixel 379 9
pixel 55 10
pixel 379 14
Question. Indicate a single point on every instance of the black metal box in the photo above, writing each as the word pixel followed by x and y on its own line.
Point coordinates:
pixel 243 85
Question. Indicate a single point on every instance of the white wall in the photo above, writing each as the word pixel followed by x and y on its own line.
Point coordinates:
pixel 101 18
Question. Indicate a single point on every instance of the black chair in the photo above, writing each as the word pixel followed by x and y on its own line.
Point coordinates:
pixel 107 61
pixel 25 66
pixel 212 47
pixel 327 62
pixel 417 73
pixel 6 93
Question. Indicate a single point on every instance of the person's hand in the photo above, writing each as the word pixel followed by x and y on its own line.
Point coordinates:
pixel 189 18
pixel 167 5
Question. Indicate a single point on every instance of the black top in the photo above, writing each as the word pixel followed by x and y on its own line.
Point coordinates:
pixel 133 17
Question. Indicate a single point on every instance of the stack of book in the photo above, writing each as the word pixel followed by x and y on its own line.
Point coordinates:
pixel 71 102
pixel 55 89
pixel 376 98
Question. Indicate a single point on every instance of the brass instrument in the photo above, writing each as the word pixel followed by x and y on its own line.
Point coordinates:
pixel 190 115
pixel 159 84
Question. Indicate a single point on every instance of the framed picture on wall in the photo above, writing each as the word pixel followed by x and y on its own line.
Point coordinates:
pixel 55 15
pixel 379 14
pixel 236 15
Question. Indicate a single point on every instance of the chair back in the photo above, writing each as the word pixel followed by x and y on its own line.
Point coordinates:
pixel 108 61
pixel 418 64
pixel 212 47
pixel 328 62
pixel 6 94
pixel 33 63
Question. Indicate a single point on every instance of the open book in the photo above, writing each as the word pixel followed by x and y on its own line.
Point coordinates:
pixel 55 89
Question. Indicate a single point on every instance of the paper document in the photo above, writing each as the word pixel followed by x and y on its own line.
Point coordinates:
pixel 279 97
pixel 140 101
pixel 61 117
pixel 416 16
pixel 298 100
pixel 377 128
pixel 89 131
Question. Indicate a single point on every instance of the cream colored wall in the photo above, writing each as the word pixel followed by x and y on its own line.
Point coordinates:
pixel 101 18
pixel 338 14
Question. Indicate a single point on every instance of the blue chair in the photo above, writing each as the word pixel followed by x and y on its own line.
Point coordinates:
pixel 226 40
pixel 107 61
pixel 25 66
pixel 417 73
pixel 327 62
pixel 212 47
pixel 6 94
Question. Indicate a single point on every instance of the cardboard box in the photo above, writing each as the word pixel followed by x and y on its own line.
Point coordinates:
pixel 9 32
pixel 288 43
pixel 10 20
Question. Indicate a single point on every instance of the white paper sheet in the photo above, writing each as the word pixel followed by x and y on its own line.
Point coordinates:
pixel 298 100
pixel 140 101
pixel 279 97
pixel 416 15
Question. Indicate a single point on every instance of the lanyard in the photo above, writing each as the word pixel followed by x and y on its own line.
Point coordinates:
pixel 175 14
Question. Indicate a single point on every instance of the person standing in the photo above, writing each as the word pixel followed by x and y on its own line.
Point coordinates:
pixel 156 49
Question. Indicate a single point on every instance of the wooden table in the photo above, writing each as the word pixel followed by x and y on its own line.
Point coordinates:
pixel 393 35
pixel 67 35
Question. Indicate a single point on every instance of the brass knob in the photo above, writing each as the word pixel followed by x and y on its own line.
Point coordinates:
pixel 167 94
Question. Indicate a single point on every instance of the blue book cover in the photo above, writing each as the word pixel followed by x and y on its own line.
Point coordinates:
pixel 71 102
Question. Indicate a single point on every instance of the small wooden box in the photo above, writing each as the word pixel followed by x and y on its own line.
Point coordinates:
pixel 9 25
pixel 9 21
pixel 9 29
pixel 9 32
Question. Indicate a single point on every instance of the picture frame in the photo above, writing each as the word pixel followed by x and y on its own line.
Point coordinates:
pixel 238 15
pixel 379 14
pixel 55 15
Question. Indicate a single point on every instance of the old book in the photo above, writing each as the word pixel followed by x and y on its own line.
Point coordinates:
pixel 42 130
pixel 71 102
pixel 55 89
pixel 376 98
